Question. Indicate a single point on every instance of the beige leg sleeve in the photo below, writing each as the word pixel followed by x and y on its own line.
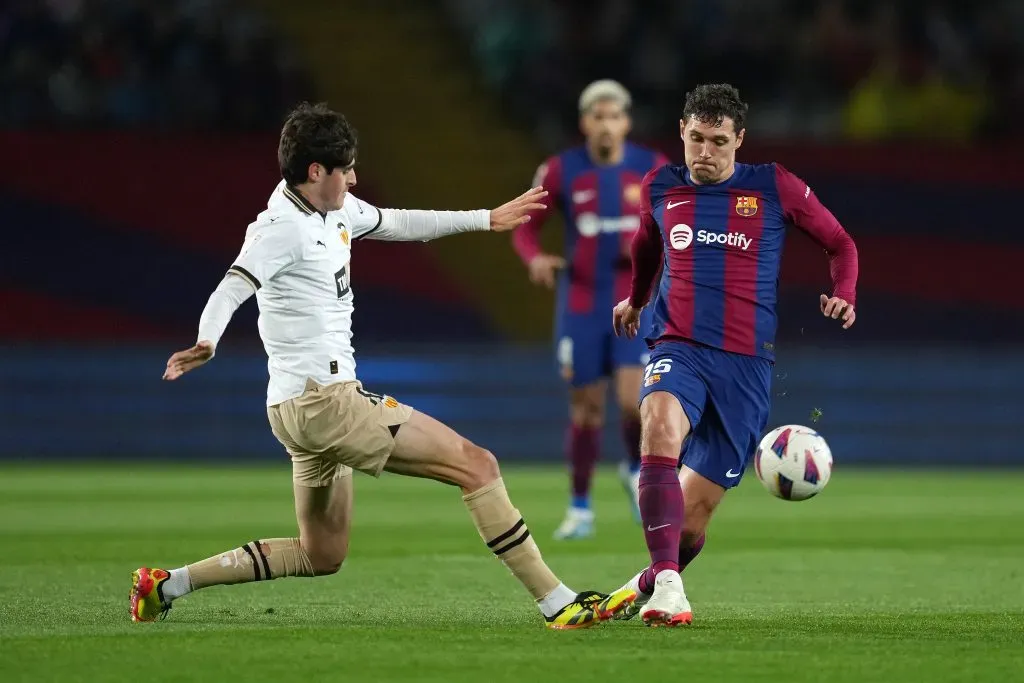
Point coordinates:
pixel 254 561
pixel 505 533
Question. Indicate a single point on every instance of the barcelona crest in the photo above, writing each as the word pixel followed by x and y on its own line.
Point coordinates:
pixel 746 206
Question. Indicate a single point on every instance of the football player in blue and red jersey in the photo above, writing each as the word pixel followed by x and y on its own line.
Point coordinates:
pixel 597 188
pixel 714 229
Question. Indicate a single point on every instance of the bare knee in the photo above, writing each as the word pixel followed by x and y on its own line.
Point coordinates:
pixel 324 539
pixel 661 437
pixel 465 465
pixel 663 425
pixel 480 466
pixel 586 415
pixel 586 407
pixel 326 557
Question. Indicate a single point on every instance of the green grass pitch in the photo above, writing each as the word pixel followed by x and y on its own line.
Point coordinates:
pixel 886 576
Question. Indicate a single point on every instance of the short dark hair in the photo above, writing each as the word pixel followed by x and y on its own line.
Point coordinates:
pixel 711 102
pixel 314 133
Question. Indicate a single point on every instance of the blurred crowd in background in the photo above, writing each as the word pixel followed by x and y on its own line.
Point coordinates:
pixel 943 69
pixel 182 64
pixel 854 69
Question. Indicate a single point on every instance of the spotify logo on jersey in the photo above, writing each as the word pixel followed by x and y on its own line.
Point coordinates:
pixel 680 236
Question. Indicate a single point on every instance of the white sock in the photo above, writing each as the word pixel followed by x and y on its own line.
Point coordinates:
pixel 178 585
pixel 554 601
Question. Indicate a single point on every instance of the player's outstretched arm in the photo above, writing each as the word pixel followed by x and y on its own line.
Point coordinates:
pixel 231 293
pixel 415 225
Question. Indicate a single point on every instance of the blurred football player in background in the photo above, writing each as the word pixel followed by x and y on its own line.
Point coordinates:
pixel 596 187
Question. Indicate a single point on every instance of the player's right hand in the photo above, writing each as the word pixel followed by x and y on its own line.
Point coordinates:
pixel 189 359
pixel 626 319
pixel 542 269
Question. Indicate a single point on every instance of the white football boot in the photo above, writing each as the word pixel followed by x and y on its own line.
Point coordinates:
pixel 668 605
pixel 578 523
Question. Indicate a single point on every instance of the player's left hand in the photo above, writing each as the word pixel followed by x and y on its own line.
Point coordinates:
pixel 512 214
pixel 838 309
pixel 189 359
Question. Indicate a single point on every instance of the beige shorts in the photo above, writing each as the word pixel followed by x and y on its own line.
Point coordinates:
pixel 330 430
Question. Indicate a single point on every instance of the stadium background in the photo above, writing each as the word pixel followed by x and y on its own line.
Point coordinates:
pixel 138 141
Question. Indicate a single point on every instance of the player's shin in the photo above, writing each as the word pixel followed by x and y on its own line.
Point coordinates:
pixel 261 560
pixel 583 446
pixel 661 509
pixel 503 529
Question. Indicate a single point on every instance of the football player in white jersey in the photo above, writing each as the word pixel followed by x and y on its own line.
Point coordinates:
pixel 296 258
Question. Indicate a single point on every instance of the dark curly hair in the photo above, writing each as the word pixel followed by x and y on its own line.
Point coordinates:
pixel 314 133
pixel 711 102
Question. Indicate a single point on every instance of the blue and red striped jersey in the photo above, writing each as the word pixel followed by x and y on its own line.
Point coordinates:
pixel 719 250
pixel 600 206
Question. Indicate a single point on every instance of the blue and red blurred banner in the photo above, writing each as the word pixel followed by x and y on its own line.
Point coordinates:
pixel 123 236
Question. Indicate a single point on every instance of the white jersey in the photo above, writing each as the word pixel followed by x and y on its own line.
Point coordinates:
pixel 299 262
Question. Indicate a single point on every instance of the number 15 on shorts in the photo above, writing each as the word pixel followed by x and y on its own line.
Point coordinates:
pixel 654 371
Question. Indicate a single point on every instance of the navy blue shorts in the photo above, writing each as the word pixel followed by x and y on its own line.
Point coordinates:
pixel 588 350
pixel 726 397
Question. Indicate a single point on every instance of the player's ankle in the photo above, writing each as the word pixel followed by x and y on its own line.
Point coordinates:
pixel 552 603
pixel 646 582
pixel 666 565
pixel 178 584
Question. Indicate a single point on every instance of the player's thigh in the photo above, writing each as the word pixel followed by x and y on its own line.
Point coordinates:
pixel 425 447
pixel 663 425
pixel 672 398
pixel 737 412
pixel 324 516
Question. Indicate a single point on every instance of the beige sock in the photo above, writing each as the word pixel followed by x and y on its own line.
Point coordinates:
pixel 254 561
pixel 505 533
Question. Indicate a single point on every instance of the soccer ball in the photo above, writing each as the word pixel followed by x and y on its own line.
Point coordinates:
pixel 793 462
